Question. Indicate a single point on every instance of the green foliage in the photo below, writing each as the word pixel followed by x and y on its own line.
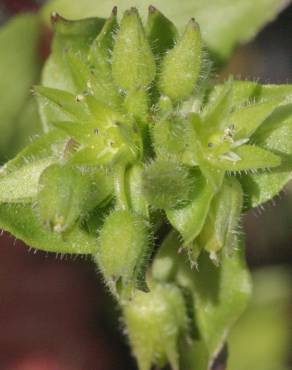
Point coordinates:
pixel 138 139
pixel 19 68
pixel 261 338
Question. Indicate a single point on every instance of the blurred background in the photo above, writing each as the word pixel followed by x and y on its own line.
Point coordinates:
pixel 55 314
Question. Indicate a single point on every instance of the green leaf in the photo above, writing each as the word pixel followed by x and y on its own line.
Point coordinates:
pixel 220 294
pixel 224 23
pixel 22 185
pixel 189 220
pixel 22 221
pixel 19 68
pixel 51 145
pixel 220 297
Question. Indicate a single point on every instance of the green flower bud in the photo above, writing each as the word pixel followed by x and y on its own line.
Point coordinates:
pixel 181 66
pixel 124 248
pixel 168 137
pixel 155 323
pixel 133 64
pixel 66 194
pixel 161 32
pixel 167 184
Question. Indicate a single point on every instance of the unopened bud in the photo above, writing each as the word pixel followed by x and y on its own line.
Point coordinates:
pixel 181 66
pixel 133 64
pixel 124 248
pixel 155 322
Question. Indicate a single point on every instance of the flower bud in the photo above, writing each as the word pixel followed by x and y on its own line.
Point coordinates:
pixel 66 194
pixel 155 322
pixel 124 248
pixel 161 32
pixel 133 64
pixel 167 184
pixel 181 66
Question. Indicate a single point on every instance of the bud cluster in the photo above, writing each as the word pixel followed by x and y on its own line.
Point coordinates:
pixel 137 139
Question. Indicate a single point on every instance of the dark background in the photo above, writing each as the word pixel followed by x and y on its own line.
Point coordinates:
pixel 55 315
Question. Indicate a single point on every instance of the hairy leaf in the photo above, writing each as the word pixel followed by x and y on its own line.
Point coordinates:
pixel 22 221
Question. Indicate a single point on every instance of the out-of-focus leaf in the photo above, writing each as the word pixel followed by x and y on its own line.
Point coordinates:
pixel 224 23
pixel 261 338
pixel 21 220
pixel 19 69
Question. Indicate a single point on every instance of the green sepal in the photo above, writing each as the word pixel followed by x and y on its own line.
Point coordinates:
pixel 22 221
pixel 216 111
pixel 181 66
pixel 134 190
pixel 133 64
pixel 247 119
pixel 155 323
pixel 214 176
pixel 136 104
pixel 69 105
pixel 221 224
pixel 245 158
pixel 102 47
pixel 243 92
pixel 274 135
pixel 189 220
pixel 161 32
pixel 124 267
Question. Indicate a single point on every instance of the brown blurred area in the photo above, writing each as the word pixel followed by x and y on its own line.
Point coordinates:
pixel 55 314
